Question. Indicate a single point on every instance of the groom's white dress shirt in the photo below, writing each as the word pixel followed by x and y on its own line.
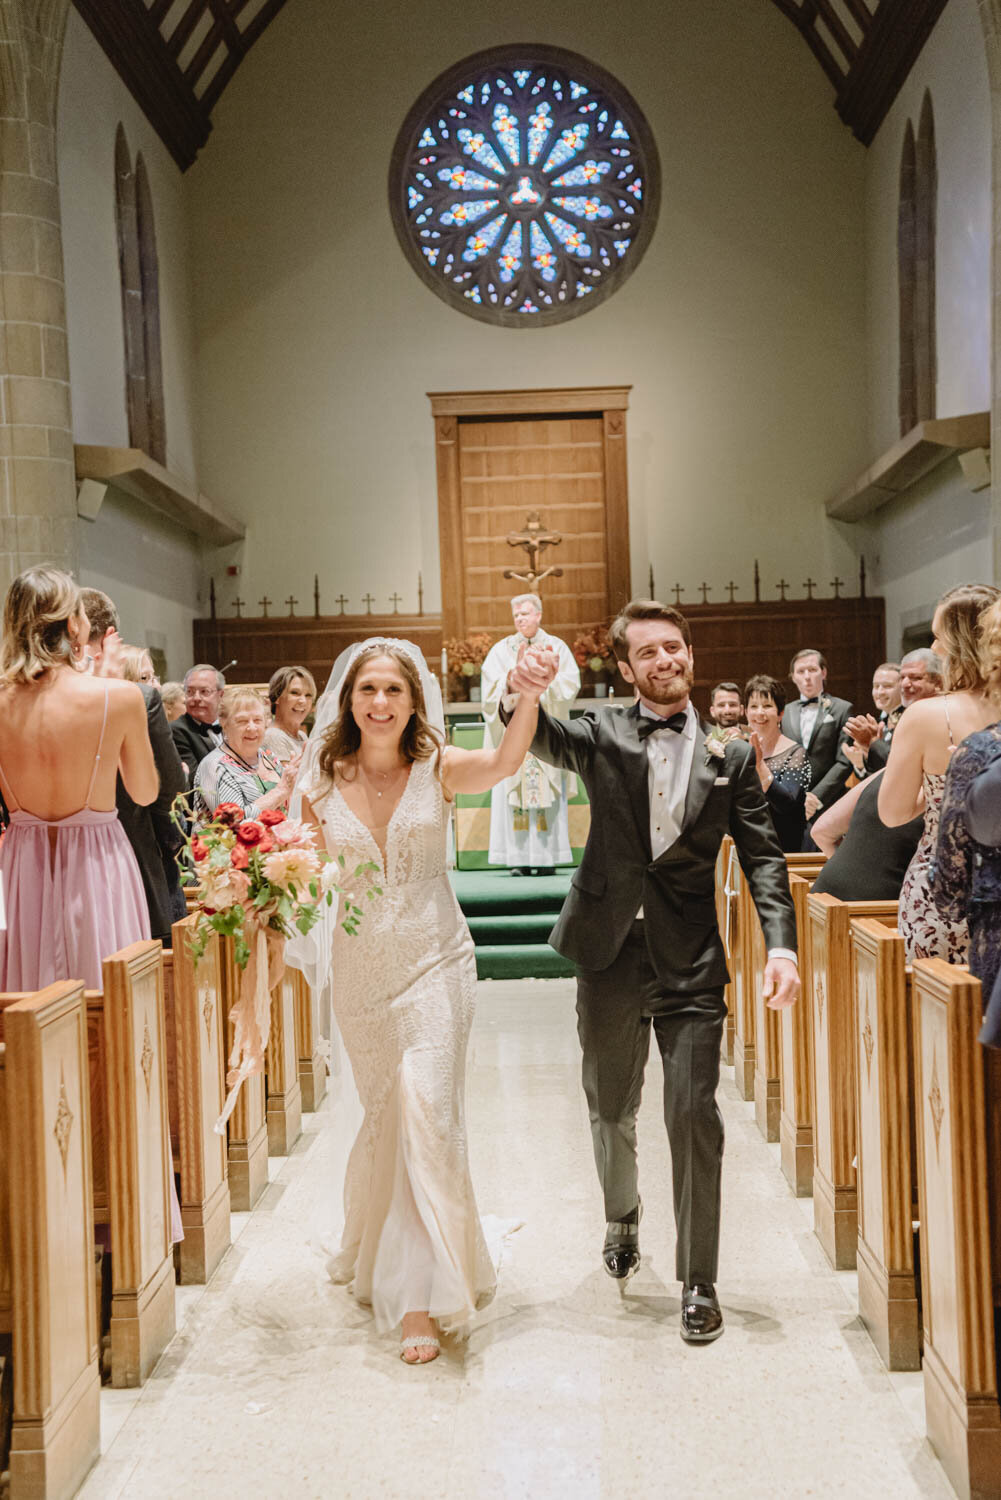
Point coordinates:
pixel 669 756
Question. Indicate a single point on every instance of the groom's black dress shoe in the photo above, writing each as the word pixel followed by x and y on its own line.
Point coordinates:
pixel 701 1319
pixel 621 1252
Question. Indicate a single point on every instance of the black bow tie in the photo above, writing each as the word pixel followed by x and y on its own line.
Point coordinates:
pixel 213 728
pixel 805 702
pixel 647 726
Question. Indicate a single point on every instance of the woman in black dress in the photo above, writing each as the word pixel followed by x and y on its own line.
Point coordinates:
pixel 782 764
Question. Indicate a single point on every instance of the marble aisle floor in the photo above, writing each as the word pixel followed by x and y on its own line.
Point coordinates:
pixel 276 1384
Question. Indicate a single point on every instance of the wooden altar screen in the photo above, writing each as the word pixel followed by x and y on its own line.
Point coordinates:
pixel 503 454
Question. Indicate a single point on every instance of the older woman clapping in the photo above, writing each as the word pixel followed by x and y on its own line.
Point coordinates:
pixel 241 770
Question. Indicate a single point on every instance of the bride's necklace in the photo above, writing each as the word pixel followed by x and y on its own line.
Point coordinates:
pixel 382 781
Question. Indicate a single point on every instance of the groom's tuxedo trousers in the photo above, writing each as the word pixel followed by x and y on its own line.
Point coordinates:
pixel 642 933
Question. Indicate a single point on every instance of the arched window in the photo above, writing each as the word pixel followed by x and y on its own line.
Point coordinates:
pixel 916 270
pixel 137 261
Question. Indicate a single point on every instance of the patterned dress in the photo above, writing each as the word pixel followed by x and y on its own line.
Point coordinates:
pixel 403 993
pixel 926 930
pixel 966 876
pixel 786 796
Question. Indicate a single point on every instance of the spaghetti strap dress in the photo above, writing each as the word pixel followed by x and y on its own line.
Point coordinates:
pixel 72 891
pixel 927 933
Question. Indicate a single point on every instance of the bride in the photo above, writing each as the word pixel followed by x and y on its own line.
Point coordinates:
pixel 376 782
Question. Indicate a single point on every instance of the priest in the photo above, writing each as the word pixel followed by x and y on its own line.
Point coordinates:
pixel 529 826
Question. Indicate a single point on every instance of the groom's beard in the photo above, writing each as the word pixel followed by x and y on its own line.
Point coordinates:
pixel 666 690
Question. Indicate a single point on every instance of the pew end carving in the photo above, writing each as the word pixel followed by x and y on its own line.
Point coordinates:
pixel 796 1028
pixel 247 1130
pixel 283 1094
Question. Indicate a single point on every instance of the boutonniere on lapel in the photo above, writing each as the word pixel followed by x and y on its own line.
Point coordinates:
pixel 825 709
pixel 716 742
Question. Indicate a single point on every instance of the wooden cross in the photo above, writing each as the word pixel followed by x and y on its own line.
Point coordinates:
pixel 291 606
pixel 212 598
pixel 678 591
pixel 238 604
pixel 316 595
pixel 836 585
pixel 731 589
pixel 264 605
pixel 341 601
pixel 782 586
pixel 861 577
pixel 534 540
pixel 395 600
pixel 652 594
pixel 810 585
pixel 369 600
pixel 706 591
pixel 757 582
pixel 420 594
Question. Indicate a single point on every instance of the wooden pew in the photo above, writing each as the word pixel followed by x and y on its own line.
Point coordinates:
pixel 196 1026
pixel 724 903
pixel 312 1068
pixel 796 1074
pixel 741 929
pixel 247 1130
pixel 47 1290
pixel 139 1162
pixel 835 1204
pixel 283 1093
pixel 958 1091
pixel 768 1023
pixel 886 1167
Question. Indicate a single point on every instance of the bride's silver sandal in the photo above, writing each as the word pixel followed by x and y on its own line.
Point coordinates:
pixel 419 1341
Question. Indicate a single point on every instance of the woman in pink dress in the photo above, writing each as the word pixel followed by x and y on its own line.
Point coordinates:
pixel 71 885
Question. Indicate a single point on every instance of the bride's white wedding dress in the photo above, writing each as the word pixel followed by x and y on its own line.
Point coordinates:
pixel 403 995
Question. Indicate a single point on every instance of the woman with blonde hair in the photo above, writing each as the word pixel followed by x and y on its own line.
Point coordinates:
pixel 71 883
pixel 377 782
pixel 240 770
pixel 136 665
pixel 920 753
pixel 292 692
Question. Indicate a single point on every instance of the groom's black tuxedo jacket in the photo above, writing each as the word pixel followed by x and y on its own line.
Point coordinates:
pixel 618 873
pixel 829 770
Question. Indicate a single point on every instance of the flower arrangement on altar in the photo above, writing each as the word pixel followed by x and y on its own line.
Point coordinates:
pixel 593 654
pixel 260 881
pixel 466 657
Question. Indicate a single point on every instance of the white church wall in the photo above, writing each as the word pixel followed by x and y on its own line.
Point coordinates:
pixel 939 534
pixel 742 331
pixel 92 102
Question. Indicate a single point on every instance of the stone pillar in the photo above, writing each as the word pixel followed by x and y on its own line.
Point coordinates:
pixel 990 16
pixel 37 477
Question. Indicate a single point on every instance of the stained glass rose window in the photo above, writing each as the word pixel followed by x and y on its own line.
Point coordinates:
pixel 524 186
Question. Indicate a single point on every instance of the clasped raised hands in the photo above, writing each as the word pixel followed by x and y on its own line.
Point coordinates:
pixel 535 670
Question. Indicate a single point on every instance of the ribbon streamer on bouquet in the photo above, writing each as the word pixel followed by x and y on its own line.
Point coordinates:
pixel 251 1015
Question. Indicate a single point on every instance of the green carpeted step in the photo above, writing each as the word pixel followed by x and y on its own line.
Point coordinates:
pixel 512 927
pixel 487 891
pixel 520 961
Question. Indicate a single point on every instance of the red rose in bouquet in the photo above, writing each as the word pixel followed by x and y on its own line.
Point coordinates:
pixel 229 814
pixel 239 857
pixel 198 849
pixel 271 819
pixel 267 843
pixel 249 831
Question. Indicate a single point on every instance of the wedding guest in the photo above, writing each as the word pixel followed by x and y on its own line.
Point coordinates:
pixel 154 839
pixel 102 652
pixel 71 883
pixel 197 730
pixel 241 770
pixel 292 692
pixel 966 874
pixel 816 720
pixel 782 764
pixel 726 705
pixel 863 729
pixel 172 694
pixel 923 743
pixel 920 677
pixel 867 861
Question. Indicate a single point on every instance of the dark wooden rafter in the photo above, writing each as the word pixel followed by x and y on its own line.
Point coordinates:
pixel 867 74
pixel 177 98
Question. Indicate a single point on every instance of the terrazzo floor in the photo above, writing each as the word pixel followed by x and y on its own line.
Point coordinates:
pixel 276 1384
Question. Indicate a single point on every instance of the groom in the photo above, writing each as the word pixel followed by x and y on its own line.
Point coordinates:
pixel 640 925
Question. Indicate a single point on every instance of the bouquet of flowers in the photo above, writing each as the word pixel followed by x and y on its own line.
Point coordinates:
pixel 260 880
pixel 592 651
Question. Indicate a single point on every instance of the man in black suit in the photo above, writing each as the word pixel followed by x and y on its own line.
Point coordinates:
pixel 640 925
pixel 920 676
pixel 149 830
pixel 816 720
pixel 197 730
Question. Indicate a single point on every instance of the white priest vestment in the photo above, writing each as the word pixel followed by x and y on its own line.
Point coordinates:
pixel 528 812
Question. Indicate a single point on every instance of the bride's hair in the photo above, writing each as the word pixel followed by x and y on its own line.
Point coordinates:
pixel 36 624
pixel 341 741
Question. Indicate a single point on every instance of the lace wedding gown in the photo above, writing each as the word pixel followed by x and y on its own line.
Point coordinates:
pixel 403 996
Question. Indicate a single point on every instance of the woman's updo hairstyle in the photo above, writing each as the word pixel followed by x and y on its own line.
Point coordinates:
pixel 960 612
pixel 36 618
